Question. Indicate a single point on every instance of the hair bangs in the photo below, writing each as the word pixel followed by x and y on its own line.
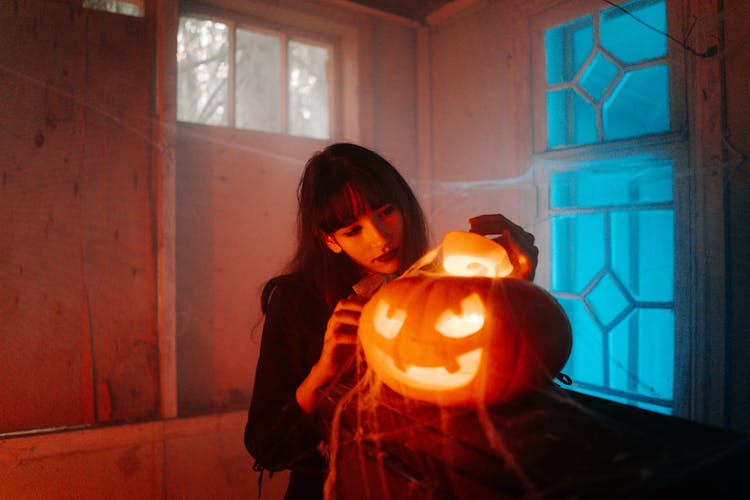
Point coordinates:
pixel 343 206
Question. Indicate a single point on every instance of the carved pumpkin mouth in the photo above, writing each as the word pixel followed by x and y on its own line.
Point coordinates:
pixel 437 378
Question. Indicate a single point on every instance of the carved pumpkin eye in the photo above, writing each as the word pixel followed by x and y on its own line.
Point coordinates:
pixel 388 325
pixel 470 321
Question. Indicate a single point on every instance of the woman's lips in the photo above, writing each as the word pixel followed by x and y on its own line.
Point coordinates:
pixel 388 256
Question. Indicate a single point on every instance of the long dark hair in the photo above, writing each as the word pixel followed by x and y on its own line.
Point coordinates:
pixel 336 188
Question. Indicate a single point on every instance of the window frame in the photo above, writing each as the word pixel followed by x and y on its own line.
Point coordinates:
pixel 672 144
pixel 305 31
pixel 573 10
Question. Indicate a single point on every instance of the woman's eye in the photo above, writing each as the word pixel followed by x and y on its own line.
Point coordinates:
pixel 387 210
pixel 353 231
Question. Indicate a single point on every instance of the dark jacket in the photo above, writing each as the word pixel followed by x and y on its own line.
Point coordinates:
pixel 278 434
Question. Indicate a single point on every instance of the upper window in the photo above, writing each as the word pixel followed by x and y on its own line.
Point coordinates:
pixel 250 77
pixel 607 76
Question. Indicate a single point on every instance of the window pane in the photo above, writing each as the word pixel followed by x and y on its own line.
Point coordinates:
pixel 656 357
pixel 598 76
pixel 643 253
pixel 570 119
pixel 258 81
pixel 308 90
pixel 586 361
pixel 577 251
pixel 639 105
pixel 202 70
pixel 607 300
pixel 625 182
pixel 642 354
pixel 622 375
pixel 567 48
pixel 631 41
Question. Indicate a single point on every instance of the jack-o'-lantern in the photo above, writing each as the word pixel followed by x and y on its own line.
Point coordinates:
pixel 462 333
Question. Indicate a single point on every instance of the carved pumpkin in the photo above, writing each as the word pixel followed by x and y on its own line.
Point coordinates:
pixel 459 340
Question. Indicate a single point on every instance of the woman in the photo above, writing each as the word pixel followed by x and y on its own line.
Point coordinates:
pixel 358 223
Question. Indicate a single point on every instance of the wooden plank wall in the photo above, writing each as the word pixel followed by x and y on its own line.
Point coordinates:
pixel 77 266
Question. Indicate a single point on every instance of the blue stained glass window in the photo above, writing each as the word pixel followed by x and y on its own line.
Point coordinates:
pixel 612 220
pixel 612 268
pixel 609 80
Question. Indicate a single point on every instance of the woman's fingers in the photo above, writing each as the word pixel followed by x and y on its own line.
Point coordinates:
pixel 495 224
pixel 523 256
pixel 518 242
pixel 343 323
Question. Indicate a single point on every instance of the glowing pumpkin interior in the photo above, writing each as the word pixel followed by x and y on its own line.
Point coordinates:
pixel 470 254
pixel 464 334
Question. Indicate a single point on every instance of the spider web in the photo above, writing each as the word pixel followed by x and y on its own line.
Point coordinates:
pixel 551 443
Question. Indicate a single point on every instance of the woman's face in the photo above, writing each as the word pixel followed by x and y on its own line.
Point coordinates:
pixel 373 241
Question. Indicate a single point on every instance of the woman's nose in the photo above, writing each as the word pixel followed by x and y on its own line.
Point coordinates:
pixel 377 235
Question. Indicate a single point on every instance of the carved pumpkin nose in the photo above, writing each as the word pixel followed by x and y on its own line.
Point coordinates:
pixel 468 322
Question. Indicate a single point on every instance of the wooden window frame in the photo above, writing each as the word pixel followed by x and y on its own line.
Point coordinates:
pixel 286 32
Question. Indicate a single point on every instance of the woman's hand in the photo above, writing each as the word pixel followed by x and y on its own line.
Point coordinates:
pixel 341 334
pixel 518 243
pixel 339 343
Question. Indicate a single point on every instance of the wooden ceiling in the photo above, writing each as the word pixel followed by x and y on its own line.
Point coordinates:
pixel 416 10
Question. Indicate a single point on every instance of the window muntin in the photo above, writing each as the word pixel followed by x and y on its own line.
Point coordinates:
pixel 280 83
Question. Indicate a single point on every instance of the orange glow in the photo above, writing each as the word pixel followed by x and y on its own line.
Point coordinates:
pixel 470 254
pixel 470 321
pixel 388 325
pixel 466 333
pixel 430 379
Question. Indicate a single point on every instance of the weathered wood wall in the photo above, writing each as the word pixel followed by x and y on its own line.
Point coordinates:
pixel 78 256
pixel 83 322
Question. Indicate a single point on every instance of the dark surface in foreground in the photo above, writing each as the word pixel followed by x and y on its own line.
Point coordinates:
pixel 551 444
